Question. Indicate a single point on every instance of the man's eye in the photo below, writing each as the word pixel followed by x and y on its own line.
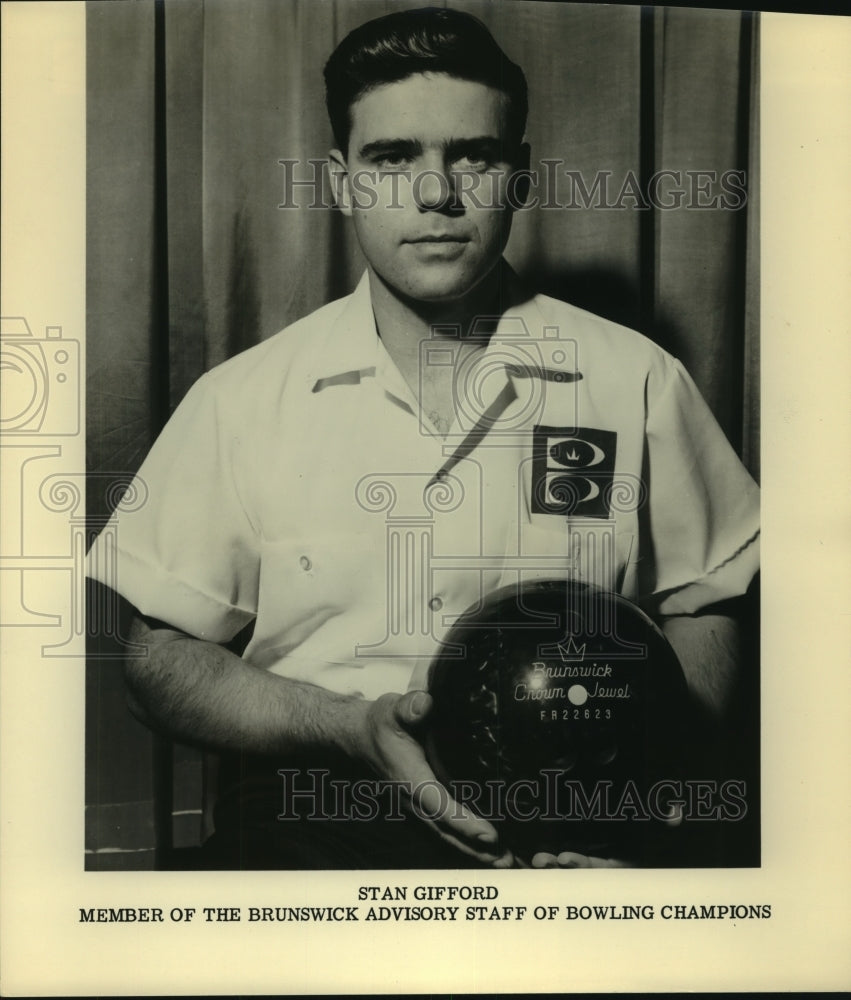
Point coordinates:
pixel 472 161
pixel 393 161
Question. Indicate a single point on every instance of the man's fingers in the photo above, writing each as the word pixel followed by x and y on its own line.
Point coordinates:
pixel 609 863
pixel 402 759
pixel 413 707
pixel 544 860
pixel 454 823
pixel 429 797
pixel 431 801
pixel 497 858
pixel 571 859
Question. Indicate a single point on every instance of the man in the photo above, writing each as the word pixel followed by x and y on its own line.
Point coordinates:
pixel 353 484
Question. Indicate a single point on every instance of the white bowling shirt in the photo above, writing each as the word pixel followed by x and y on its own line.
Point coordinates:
pixel 297 485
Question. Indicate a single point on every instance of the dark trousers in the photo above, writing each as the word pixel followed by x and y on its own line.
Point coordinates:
pixel 316 813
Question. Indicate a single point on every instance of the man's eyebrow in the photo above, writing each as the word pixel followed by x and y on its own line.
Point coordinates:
pixel 413 147
pixel 483 142
pixel 409 147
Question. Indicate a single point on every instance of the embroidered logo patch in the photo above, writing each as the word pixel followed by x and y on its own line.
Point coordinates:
pixel 572 470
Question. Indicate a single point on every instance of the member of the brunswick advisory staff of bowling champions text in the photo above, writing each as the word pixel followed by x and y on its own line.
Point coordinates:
pixel 269 490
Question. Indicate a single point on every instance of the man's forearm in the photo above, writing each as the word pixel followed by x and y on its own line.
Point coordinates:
pixel 199 692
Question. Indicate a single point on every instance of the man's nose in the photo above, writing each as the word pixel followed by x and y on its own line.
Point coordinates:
pixel 434 190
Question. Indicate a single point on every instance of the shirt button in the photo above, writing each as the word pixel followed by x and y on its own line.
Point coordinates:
pixel 435 604
pixel 305 563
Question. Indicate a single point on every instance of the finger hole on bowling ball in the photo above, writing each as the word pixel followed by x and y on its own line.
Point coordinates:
pixel 605 754
pixel 673 814
pixel 567 761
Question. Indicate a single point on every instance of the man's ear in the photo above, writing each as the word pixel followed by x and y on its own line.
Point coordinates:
pixel 340 181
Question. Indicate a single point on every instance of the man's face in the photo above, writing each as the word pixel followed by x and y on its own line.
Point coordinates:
pixel 425 182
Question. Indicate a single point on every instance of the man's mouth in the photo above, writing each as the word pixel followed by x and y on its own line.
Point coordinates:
pixel 440 238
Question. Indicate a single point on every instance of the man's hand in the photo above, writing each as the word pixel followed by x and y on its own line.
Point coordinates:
pixel 572 859
pixel 389 746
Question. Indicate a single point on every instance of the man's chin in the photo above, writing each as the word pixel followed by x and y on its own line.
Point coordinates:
pixel 440 288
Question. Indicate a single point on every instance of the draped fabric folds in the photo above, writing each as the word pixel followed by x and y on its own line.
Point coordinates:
pixel 193 106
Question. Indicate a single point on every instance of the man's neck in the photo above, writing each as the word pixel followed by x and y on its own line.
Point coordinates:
pixel 403 324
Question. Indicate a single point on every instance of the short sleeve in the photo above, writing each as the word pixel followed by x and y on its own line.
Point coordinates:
pixel 187 553
pixel 703 504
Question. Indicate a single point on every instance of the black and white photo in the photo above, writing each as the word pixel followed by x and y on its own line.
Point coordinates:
pixel 379 605
pixel 460 405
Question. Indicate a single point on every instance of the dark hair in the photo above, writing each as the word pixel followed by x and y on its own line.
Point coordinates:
pixel 427 40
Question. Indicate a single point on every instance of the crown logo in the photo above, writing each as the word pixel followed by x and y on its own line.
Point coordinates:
pixel 572 456
pixel 571 652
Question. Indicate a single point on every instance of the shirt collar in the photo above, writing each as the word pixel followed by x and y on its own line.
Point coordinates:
pixel 352 348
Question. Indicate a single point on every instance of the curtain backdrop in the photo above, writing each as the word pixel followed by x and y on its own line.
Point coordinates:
pixel 193 104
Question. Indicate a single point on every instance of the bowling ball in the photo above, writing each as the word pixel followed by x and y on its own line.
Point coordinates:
pixel 560 714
